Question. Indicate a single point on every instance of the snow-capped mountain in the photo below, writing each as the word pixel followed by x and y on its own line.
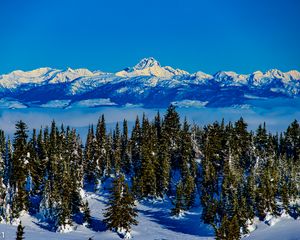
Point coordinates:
pixel 151 67
pixel 147 83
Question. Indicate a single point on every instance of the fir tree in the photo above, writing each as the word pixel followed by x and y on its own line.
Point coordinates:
pixel 20 232
pixel 120 214
pixel 135 142
pixel 146 179
pixel 117 149
pixel 179 205
pixel 87 214
pixel 125 157
pixel 20 169
pixel 89 158
pixel 171 129
pixel 100 148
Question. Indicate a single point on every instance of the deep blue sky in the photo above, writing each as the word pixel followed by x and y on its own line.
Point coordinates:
pixel 207 35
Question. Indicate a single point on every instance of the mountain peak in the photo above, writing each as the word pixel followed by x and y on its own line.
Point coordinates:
pixel 146 63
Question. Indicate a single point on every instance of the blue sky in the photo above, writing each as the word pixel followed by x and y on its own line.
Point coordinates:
pixel 109 35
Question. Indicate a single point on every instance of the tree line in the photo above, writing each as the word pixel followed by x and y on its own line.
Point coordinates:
pixel 235 174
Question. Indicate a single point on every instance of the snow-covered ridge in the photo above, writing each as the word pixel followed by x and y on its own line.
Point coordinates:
pixel 147 83
pixel 146 67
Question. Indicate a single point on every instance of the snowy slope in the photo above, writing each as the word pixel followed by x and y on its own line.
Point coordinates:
pixel 148 83
pixel 154 223
pixel 284 229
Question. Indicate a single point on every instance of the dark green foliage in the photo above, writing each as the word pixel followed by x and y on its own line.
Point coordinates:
pixel 20 232
pixel 163 167
pixel 135 142
pixel 90 163
pixel 100 153
pixel 87 214
pixel 179 202
pixel 116 164
pixel 120 214
pixel 237 175
pixel 171 132
pixel 125 156
pixel 20 169
pixel 146 178
pixel 229 229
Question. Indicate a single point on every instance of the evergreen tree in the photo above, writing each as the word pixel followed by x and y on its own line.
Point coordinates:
pixel 89 157
pixel 171 129
pixel 146 179
pixel 20 169
pixel 179 205
pixel 117 149
pixel 20 232
pixel 125 157
pixel 7 163
pixel 100 147
pixel 187 165
pixel 238 175
pixel 86 214
pixel 120 213
pixel 2 188
pixel 135 142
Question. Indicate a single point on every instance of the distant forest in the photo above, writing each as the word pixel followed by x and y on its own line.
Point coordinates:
pixel 234 174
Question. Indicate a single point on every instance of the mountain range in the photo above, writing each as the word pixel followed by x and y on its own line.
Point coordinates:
pixel 146 84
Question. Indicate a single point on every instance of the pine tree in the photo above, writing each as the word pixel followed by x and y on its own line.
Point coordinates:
pixel 171 129
pixel 36 173
pixel 125 157
pixel 89 158
pixel 211 169
pixel 117 149
pixel 109 155
pixel 135 142
pixel 76 170
pixel 100 148
pixel 50 206
pixel 146 179
pixel 7 163
pixel 179 205
pixel 120 214
pixel 163 169
pixel 163 159
pixel 87 214
pixel 2 187
pixel 189 191
pixel 128 210
pixel 187 165
pixel 64 206
pixel 19 169
pixel 20 232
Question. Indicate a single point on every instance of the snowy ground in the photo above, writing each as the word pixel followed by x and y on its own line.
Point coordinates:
pixel 155 223
pixel 284 229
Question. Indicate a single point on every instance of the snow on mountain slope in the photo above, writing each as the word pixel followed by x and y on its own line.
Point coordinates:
pixel 154 220
pixel 151 67
pixel 285 228
pixel 230 78
pixel 43 76
pixel 148 84
pixel 17 78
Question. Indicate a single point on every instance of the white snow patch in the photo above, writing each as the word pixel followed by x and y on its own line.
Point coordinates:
pixel 94 102
pixel 11 103
pixel 190 103
pixel 56 104
pixel 66 228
